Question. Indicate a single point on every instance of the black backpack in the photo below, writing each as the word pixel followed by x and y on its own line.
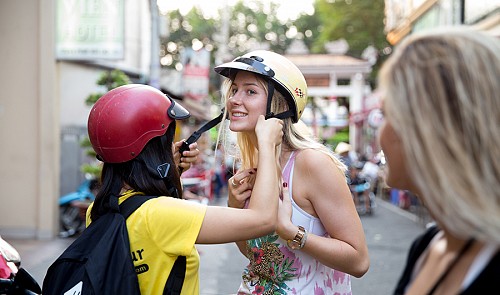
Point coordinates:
pixel 99 260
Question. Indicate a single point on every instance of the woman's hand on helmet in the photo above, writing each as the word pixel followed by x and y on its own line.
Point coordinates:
pixel 269 131
pixel 185 161
pixel 240 188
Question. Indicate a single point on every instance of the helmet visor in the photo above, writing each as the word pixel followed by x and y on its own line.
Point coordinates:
pixel 251 64
pixel 176 111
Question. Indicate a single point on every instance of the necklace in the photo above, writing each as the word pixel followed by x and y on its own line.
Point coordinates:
pixel 451 265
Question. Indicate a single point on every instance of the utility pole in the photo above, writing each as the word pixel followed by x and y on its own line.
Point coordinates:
pixel 223 52
pixel 154 66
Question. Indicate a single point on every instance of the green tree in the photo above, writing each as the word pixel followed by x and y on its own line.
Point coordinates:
pixel 252 25
pixel 183 30
pixel 309 28
pixel 110 80
pixel 359 22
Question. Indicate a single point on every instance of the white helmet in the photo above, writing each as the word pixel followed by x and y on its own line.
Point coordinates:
pixel 287 78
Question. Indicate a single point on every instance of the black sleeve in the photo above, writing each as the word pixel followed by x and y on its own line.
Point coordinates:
pixel 417 248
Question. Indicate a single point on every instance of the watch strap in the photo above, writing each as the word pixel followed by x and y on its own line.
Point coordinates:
pixel 299 240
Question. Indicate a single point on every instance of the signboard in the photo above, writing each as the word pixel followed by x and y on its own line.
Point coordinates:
pixel 195 76
pixel 90 29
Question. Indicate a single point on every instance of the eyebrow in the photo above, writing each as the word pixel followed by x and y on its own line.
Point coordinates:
pixel 247 84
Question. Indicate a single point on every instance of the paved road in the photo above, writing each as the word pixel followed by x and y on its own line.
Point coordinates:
pixel 389 233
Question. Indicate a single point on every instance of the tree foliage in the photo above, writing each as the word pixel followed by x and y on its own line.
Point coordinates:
pixel 110 80
pixel 253 24
pixel 359 22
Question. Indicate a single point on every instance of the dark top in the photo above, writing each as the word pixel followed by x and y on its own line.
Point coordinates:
pixel 486 282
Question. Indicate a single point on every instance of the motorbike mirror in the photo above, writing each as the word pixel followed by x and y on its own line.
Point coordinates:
pixel 25 281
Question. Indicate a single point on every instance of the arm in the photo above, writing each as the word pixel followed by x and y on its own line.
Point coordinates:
pixel 225 224
pixel 329 197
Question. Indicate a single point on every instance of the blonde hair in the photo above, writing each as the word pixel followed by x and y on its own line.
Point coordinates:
pixel 295 135
pixel 441 93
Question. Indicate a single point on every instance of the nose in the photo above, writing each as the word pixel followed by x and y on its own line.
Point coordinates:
pixel 235 98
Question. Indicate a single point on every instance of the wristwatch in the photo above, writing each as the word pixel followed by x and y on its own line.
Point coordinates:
pixel 299 240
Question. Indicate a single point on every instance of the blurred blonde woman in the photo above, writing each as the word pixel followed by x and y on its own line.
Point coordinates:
pixel 317 247
pixel 441 139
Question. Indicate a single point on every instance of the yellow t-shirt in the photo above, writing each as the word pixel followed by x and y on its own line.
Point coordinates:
pixel 159 231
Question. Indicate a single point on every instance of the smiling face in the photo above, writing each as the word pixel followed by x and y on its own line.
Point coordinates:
pixel 246 102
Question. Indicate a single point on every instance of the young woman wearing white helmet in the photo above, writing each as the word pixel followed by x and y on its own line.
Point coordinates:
pixel 319 241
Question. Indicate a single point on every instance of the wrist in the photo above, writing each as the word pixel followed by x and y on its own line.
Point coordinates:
pixel 299 240
pixel 264 145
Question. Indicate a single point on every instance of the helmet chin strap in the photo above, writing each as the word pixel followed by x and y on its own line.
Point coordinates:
pixel 269 114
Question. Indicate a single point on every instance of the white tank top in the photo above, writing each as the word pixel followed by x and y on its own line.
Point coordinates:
pixel 276 269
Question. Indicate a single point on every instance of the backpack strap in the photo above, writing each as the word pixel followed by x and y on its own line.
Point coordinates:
pixel 176 277
pixel 131 204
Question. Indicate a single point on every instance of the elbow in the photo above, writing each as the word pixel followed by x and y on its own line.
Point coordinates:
pixel 269 225
pixel 361 267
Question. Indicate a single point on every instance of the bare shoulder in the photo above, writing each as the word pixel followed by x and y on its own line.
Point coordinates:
pixel 313 159
pixel 315 165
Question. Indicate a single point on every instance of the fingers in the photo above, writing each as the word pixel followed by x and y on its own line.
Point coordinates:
pixel 270 130
pixel 238 195
pixel 240 176
pixel 187 158
pixel 240 188
pixel 193 148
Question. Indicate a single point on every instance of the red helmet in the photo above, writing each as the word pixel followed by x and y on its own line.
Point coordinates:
pixel 123 120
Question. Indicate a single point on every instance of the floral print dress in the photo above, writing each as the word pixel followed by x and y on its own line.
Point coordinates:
pixel 276 269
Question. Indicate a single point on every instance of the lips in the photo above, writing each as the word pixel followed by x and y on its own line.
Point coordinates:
pixel 238 115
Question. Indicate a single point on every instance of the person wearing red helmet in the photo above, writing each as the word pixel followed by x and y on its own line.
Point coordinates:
pixel 319 241
pixel 131 128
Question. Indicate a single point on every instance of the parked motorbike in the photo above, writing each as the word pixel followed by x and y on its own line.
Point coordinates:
pixel 14 280
pixel 72 208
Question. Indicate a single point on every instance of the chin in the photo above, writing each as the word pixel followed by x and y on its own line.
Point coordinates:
pixel 236 127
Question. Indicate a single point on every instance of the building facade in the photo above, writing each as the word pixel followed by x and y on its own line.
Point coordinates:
pixel 42 103
pixel 405 17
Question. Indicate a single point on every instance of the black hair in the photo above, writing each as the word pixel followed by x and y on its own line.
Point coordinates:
pixel 140 174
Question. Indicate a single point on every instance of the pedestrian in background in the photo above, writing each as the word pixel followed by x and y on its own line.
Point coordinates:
pixel 320 244
pixel 131 129
pixel 441 139
pixel 343 149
